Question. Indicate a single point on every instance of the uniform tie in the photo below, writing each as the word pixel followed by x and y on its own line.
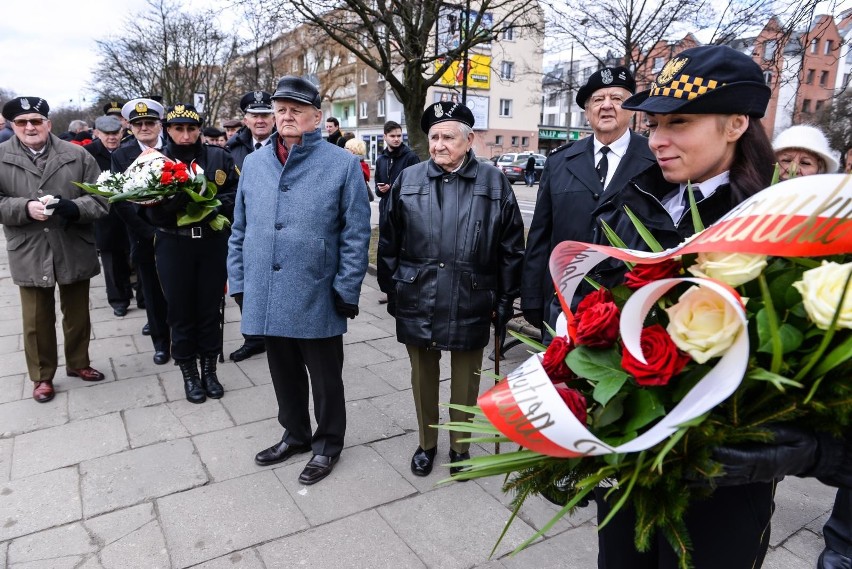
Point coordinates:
pixel 603 166
pixel 685 200
pixel 257 146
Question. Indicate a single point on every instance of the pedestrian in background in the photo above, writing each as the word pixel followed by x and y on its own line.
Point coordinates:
pixel 803 150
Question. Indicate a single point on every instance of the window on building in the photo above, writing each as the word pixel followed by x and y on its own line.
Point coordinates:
pixel 380 78
pixel 806 106
pixel 550 120
pixel 507 70
pixel 815 45
pixel 769 50
pixel 514 141
pixel 364 76
pixel 525 141
pixel 380 109
pixel 505 107
pixel 363 114
pixel 767 77
pixel 508 34
pixel 350 58
pixel 345 116
pixel 658 64
pixel 829 45
pixel 498 139
pixel 809 79
pixel 294 65
pixel 818 105
pixel 823 79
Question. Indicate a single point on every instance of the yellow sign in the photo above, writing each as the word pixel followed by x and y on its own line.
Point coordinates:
pixel 478 73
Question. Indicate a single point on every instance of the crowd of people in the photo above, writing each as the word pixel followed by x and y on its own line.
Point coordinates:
pixel 452 258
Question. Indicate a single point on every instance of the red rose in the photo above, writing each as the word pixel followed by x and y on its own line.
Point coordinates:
pixel 181 175
pixel 644 274
pixel 168 167
pixel 597 326
pixel 664 359
pixel 166 178
pixel 575 401
pixel 597 297
pixel 554 360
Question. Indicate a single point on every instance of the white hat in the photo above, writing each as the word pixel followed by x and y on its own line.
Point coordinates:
pixel 142 109
pixel 807 138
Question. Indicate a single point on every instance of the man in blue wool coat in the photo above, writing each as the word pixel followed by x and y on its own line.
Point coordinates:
pixel 297 257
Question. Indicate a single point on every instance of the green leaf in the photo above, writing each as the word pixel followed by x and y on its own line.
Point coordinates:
pixel 607 388
pixel 697 224
pixel 615 241
pixel 643 407
pixel 609 413
pixel 646 235
pixel 219 222
pixel 534 344
pixel 596 364
pixel 837 356
pixel 92 189
pixel 791 337
pixel 779 381
pixel 770 326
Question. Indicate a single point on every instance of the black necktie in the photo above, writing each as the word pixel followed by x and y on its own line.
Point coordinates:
pixel 685 200
pixel 257 146
pixel 603 166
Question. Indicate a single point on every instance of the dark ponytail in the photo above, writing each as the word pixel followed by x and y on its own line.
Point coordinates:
pixel 754 159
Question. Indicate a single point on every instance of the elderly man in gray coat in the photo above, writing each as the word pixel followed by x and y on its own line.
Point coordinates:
pixel 50 239
pixel 297 257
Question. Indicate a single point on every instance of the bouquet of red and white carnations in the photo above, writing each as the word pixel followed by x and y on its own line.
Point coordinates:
pixel 152 178
pixel 745 325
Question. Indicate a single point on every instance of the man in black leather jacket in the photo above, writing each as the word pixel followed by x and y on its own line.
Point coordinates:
pixel 452 245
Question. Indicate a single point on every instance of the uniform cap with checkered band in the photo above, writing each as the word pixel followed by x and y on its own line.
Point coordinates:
pixel 711 79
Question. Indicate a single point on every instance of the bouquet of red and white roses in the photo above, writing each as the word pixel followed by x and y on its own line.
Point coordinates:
pixel 702 346
pixel 152 178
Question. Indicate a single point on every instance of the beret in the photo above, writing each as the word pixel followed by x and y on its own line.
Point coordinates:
pixel 444 111
pixel 603 78
pixel 25 106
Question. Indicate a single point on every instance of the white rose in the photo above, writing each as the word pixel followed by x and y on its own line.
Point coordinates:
pixel 733 269
pixel 702 324
pixel 821 289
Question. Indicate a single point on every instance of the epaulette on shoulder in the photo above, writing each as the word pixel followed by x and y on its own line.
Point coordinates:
pixel 561 148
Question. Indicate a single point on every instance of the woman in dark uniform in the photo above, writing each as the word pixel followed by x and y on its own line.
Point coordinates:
pixel 191 259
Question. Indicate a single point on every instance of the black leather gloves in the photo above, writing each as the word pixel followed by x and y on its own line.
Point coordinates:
pixel 534 316
pixel 65 208
pixel 238 298
pixel 502 315
pixel 344 308
pixel 795 451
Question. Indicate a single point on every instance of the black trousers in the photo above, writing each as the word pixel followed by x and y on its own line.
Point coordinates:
pixel 291 361
pixel 729 530
pixel 155 304
pixel 117 276
pixel 192 273
pixel 838 528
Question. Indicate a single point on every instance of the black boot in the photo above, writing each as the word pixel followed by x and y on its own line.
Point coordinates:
pixel 211 383
pixel 191 381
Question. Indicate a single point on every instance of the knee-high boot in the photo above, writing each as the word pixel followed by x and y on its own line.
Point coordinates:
pixel 191 381
pixel 209 379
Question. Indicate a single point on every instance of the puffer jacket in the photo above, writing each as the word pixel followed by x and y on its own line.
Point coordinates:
pixel 47 253
pixel 452 245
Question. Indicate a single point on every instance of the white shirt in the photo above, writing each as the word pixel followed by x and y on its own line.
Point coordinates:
pixel 673 202
pixel 263 143
pixel 617 150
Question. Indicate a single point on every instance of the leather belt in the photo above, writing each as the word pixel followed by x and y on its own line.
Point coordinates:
pixel 194 232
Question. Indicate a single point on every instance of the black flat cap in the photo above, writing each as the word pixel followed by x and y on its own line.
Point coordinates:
pixel 445 111
pixel 183 113
pixel 25 106
pixel 297 89
pixel 606 77
pixel 212 132
pixel 259 102
pixel 711 79
pixel 113 108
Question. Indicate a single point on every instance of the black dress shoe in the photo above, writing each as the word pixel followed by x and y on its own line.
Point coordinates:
pixel 146 329
pixel 161 357
pixel 119 310
pixel 422 461
pixel 246 351
pixel 457 457
pixel 317 468
pixel 279 452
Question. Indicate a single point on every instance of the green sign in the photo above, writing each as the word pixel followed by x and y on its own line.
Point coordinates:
pixel 552 134
pixel 575 135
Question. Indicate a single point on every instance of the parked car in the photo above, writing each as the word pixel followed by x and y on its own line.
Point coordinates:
pixel 506 159
pixel 515 170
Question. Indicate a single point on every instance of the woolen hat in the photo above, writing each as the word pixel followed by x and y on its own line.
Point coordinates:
pixel 809 138
pixel 259 102
pixel 297 89
pixel 107 124
pixel 603 78
pixel 112 108
pixel 444 111
pixel 25 106
pixel 183 113
pixel 710 79
pixel 137 109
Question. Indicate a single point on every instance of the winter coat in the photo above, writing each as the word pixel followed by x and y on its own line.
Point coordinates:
pixel 453 246
pixel 46 253
pixel 242 144
pixel 390 164
pixel 301 233
pixel 139 229
pixel 111 231
pixel 569 191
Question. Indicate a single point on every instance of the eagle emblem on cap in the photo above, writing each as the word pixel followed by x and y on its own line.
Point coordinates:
pixel 439 110
pixel 670 69
pixel 179 109
pixel 606 76
pixel 25 104
pixel 141 108
pixel 258 96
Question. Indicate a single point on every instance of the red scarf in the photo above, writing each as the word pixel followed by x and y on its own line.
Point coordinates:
pixel 281 151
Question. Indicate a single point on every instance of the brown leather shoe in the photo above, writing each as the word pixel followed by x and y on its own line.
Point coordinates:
pixel 87 373
pixel 43 391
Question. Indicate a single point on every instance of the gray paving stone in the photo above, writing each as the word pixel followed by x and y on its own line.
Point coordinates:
pixel 390 346
pixel 362 540
pixel 26 415
pixel 12 387
pixel 252 404
pixel 91 563
pixel 201 418
pixel 26 508
pixel 5 459
pixel 154 424
pixel 798 501
pixel 230 452
pixel 135 365
pixel 361 355
pixel 397 451
pixel 144 548
pixel 48 449
pixel 781 558
pixel 333 498
pixel 365 423
pixel 362 332
pixel 72 539
pixel 11 327
pixel 805 544
pixel 256 369
pixel 212 521
pixel 65 562
pixel 396 373
pixel 114 526
pixel 3 548
pixel 245 559
pixel 172 383
pixel 128 326
pixel 130 477
pixel 14 363
pixel 8 345
pixel 456 537
pixel 398 406
pixel 361 383
pixel 113 347
pixel 115 396
pixel 573 549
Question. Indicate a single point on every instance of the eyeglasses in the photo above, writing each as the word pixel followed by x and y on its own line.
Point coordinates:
pixel 21 123
pixel 144 124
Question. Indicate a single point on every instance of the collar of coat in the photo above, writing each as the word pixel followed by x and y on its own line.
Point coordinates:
pixel 467 171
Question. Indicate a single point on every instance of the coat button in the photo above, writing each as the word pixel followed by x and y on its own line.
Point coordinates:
pixel 434 343
pixel 276 267
pixel 595 196
pixel 441 265
pixel 411 278
pixel 46 229
pixel 279 225
pixel 44 278
pixel 446 179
